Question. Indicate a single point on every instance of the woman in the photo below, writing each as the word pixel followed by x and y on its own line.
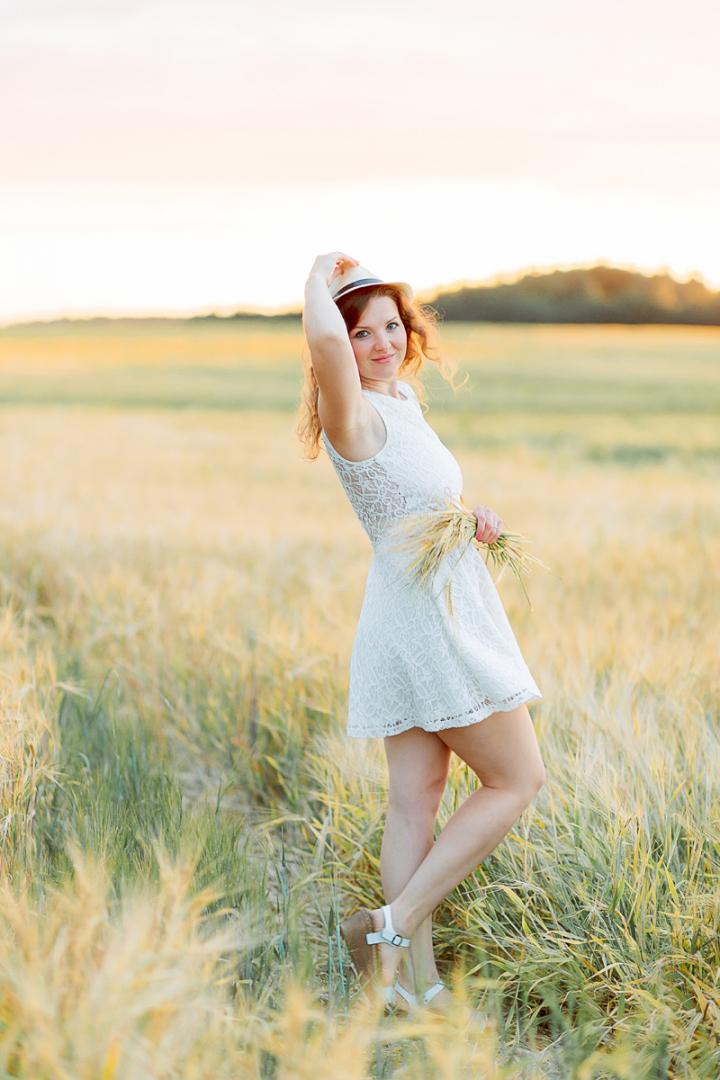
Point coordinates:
pixel 429 673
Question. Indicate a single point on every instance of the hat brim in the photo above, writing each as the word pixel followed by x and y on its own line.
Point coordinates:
pixel 371 282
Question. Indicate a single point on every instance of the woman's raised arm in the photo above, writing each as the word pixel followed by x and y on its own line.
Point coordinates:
pixel 341 403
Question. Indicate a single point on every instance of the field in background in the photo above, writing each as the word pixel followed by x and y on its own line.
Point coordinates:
pixel 184 821
pixel 593 390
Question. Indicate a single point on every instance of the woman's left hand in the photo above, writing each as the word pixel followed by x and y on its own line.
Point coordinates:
pixel 489 524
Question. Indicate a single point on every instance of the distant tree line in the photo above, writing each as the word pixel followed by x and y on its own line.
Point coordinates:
pixel 596 294
pixel 258 316
pixel 599 294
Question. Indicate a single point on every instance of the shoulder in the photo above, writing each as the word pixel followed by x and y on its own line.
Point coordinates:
pixel 411 397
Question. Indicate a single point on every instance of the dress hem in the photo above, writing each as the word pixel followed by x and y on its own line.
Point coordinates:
pixel 474 716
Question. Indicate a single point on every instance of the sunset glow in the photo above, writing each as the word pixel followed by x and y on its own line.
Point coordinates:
pixel 174 157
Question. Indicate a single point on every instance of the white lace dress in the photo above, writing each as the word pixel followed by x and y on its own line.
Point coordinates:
pixel 414 662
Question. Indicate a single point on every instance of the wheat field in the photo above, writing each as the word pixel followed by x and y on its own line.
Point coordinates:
pixel 184 822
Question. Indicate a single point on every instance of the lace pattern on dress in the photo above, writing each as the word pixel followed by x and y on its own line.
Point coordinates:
pixel 377 499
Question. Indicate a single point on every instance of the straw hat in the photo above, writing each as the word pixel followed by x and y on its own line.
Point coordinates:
pixel 358 277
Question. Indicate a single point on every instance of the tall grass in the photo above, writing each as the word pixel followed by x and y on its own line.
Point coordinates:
pixel 27 682
pixel 186 822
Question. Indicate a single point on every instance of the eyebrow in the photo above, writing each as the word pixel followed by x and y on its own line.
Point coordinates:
pixel 395 318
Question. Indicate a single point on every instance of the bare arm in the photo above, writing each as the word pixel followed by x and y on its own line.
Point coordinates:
pixel 341 405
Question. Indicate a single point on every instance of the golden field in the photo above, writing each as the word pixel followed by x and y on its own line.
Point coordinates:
pixel 184 820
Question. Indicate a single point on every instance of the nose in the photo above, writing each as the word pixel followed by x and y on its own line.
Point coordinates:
pixel 382 345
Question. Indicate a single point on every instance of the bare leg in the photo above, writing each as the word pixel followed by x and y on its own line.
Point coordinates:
pixel 418 765
pixel 502 750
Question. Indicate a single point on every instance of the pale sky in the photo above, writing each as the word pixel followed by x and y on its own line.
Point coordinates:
pixel 185 156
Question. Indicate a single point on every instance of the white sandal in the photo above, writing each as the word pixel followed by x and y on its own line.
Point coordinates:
pixel 426 998
pixel 477 1023
pixel 359 936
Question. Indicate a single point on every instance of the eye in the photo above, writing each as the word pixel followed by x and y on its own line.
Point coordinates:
pixel 392 326
pixel 360 333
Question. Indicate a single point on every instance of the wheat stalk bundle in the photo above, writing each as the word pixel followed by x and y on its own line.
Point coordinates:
pixel 431 537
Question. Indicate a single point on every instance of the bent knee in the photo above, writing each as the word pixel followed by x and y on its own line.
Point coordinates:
pixel 530 783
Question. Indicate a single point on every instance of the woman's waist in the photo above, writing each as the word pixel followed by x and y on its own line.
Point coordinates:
pixel 395 526
pixel 398 552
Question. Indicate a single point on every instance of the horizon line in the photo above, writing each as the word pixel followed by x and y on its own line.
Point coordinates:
pixel 426 295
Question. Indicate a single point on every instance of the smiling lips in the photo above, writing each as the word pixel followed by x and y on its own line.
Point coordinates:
pixel 382 359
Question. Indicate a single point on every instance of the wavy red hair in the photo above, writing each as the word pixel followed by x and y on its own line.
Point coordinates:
pixel 419 323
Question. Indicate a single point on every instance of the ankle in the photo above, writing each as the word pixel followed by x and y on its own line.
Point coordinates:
pixel 403 920
pixel 379 921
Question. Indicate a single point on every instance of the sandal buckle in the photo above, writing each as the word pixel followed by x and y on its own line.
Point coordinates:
pixel 397 940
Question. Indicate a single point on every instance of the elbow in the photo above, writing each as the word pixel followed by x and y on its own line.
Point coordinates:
pixel 325 340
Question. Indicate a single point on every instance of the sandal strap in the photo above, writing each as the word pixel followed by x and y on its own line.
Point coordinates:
pixel 432 992
pixel 410 998
pixel 427 997
pixel 388 934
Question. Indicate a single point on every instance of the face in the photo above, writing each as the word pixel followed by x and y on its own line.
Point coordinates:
pixel 379 341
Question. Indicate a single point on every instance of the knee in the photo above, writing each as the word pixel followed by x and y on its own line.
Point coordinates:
pixel 529 784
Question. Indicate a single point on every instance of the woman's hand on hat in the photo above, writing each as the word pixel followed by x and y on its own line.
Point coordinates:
pixel 333 264
pixel 489 524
